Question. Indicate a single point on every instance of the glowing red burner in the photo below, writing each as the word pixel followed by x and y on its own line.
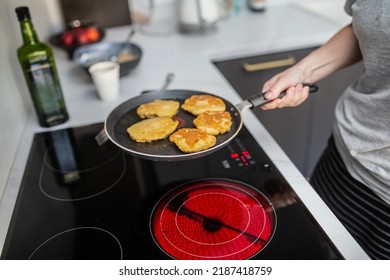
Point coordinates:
pixel 213 219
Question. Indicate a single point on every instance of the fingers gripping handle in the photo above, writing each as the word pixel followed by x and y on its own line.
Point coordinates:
pixel 259 99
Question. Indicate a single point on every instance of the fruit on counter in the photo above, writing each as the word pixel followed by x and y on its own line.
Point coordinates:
pixel 67 38
pixel 80 36
pixel 92 33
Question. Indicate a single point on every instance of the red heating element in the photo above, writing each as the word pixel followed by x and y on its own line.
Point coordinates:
pixel 213 219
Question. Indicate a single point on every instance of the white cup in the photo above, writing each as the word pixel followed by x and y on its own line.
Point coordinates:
pixel 105 76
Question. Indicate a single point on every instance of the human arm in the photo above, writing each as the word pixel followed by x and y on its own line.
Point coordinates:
pixel 340 51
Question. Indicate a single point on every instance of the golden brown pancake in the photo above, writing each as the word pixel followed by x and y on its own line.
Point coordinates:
pixel 152 129
pixel 198 104
pixel 191 140
pixel 158 108
pixel 214 122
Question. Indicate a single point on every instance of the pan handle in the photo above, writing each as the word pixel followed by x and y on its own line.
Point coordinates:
pixel 167 82
pixel 259 99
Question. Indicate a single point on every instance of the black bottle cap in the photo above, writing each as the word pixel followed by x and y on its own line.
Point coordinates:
pixel 22 13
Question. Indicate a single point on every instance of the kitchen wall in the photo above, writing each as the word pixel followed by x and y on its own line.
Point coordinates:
pixel 13 104
pixel 45 14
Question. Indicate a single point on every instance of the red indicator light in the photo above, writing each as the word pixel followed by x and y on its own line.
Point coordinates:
pixel 234 155
pixel 243 159
pixel 245 154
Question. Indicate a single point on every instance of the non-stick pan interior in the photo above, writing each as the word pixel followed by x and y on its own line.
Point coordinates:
pixel 125 115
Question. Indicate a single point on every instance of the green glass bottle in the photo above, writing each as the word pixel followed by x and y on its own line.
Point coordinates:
pixel 37 62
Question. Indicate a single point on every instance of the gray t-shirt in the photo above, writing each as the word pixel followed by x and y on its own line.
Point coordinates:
pixel 362 127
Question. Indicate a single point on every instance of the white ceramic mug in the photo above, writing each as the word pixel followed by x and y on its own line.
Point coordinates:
pixel 105 76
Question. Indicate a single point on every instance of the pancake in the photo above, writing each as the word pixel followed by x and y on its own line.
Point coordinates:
pixel 158 108
pixel 214 122
pixel 198 104
pixel 152 129
pixel 191 140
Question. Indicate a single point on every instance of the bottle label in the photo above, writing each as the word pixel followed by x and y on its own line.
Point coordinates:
pixel 46 91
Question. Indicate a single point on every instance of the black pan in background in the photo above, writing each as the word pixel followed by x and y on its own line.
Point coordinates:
pixel 125 115
pixel 87 55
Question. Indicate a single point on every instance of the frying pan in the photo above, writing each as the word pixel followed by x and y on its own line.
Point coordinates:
pixel 125 115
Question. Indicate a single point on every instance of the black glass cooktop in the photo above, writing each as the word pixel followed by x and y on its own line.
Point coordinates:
pixel 79 200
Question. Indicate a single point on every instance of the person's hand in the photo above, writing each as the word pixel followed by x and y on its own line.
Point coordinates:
pixel 289 80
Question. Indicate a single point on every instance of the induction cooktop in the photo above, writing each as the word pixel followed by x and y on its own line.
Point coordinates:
pixel 79 200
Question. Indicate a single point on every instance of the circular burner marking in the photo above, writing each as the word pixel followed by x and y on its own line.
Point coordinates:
pixel 81 243
pixel 91 183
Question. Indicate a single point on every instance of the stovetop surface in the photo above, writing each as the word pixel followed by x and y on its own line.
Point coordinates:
pixel 79 200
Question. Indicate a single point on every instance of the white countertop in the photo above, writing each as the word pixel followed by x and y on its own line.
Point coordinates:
pixel 189 58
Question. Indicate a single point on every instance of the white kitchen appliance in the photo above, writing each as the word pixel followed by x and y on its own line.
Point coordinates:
pixel 197 15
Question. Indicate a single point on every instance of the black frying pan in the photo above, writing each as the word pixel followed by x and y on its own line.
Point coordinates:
pixel 125 115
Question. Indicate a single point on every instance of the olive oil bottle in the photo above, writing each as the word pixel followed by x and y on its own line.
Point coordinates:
pixel 37 62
